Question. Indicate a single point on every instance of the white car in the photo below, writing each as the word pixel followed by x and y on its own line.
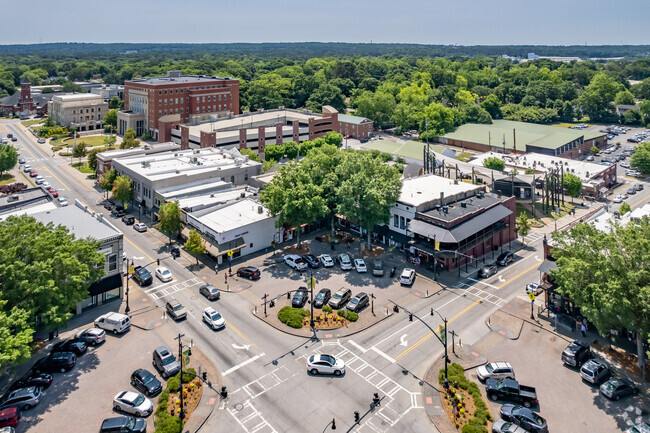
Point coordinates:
pixel 46 184
pixel 360 266
pixel 590 158
pixel 140 227
pixel 345 262
pixel 533 288
pixel 164 274
pixel 133 403
pixel 296 262
pixel 27 168
pixel 407 277
pixel 326 260
pixel 624 165
pixel 325 364
pixel 213 319
pixel 495 370
pixel 618 199
pixel 63 202
pixel 39 180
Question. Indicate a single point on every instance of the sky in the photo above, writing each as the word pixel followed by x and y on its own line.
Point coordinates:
pixel 451 22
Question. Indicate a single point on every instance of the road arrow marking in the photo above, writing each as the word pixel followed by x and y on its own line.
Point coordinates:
pixel 242 347
pixel 538 259
pixel 402 340
pixel 501 279
pixel 137 258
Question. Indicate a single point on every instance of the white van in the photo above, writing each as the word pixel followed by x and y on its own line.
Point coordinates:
pixel 116 322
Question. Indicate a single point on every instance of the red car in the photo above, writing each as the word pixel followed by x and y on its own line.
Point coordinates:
pixel 33 173
pixel 9 417
pixel 54 192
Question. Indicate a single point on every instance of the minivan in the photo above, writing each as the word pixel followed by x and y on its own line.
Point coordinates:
pixel 115 322
pixel 165 362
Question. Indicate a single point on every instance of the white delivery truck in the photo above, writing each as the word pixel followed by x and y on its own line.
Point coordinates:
pixel 115 322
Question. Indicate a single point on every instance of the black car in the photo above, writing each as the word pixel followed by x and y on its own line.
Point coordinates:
pixel 576 353
pixel 108 205
pixel 487 271
pixel 505 258
pixel 58 361
pixel 146 382
pixel 358 302
pixel 322 298
pixel 311 260
pixel 175 252
pixel 77 347
pixel 33 378
pixel 299 298
pixel 142 276
pixel 124 424
pixel 128 220
pixel 524 418
pixel 249 272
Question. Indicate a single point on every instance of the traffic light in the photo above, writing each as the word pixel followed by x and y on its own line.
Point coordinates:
pixel 432 311
pixel 356 416
pixel 376 401
pixel 396 309
pixel 205 376
pixel 410 317
pixel 333 424
pixel 272 303
pixel 158 262
pixel 288 295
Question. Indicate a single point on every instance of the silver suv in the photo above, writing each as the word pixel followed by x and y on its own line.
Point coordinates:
pixel 176 310
pixel 165 362
pixel 495 370
pixel 23 398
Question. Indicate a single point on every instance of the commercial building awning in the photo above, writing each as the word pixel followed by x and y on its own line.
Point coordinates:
pixel 431 231
pixel 547 266
pixel 105 285
pixel 217 250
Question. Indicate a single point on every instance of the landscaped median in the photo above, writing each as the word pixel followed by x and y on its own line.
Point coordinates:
pixel 169 403
pixel 323 319
pixel 463 402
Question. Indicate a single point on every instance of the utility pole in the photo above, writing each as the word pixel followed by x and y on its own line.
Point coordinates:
pixel 181 415
pixel 311 303
pixel 127 310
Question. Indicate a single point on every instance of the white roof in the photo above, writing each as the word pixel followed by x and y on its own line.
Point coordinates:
pixel 235 215
pixel 424 189
pixel 68 97
pixel 253 120
pixel 206 200
pixel 604 220
pixel 192 188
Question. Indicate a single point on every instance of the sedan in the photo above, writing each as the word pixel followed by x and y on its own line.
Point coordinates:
pixel 638 186
pixel 27 168
pixel 590 158
pixel 326 260
pixel 22 398
pixel 213 318
pixel 378 268
pixel 624 165
pixel 39 180
pixel 47 185
pixel 21 160
pixel 92 336
pixel 360 266
pixel 614 389
pixel 311 260
pixel 140 227
pixel 631 191
pixel 407 277
pixel 644 427
pixel 505 258
pixel 344 262
pixel 124 424
pixel 133 403
pixel 33 173
pixel 250 272
pixel 33 378
pixel 63 202
pixel 487 271
pixel 534 288
pixel 322 298
pixel 358 302
pixel 523 417
pixel 210 292
pixel 618 199
pixel 299 298
pixel 501 426
pixel 146 382
pixel 325 364
pixel 53 192
pixel 164 274
pixel 75 346
pixel 296 262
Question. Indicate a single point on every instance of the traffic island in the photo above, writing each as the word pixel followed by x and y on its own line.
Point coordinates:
pixel 463 402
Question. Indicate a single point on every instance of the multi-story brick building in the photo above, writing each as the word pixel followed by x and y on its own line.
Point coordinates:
pixel 23 103
pixel 176 97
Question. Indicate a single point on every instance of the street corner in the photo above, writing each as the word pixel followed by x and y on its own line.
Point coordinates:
pixel 147 318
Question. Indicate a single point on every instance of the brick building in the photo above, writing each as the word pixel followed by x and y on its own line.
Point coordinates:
pixel 188 98
pixel 23 103
pixel 355 126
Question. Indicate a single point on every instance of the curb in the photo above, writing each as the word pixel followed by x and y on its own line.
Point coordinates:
pixel 506 330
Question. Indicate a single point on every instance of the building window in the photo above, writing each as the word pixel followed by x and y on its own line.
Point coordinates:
pixel 165 91
pixel 182 110
pixel 402 222
pixel 203 99
pixel 160 92
pixel 176 91
pixel 251 246
pixel 112 262
pixel 232 179
pixel 245 176
pixel 181 90
pixel 198 99
pixel 160 112
pixel 396 221
pixel 176 101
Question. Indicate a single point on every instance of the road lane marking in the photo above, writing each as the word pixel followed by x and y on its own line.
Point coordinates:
pixel 402 340
pixel 138 248
pixel 358 346
pixel 518 275
pixel 242 335
pixel 55 176
pixel 483 282
pixel 379 352
pixel 242 364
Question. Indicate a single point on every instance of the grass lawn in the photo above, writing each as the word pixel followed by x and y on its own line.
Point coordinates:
pixel 83 167
pixel 463 156
pixel 91 140
pixel 32 122
pixel 568 125
pixel 564 209
pixel 535 222
pixel 6 179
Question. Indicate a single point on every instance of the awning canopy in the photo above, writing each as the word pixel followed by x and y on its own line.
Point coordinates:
pixel 431 231
pixel 547 266
pixel 105 285
pixel 217 250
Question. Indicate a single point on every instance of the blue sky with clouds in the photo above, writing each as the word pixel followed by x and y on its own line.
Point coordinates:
pixel 462 22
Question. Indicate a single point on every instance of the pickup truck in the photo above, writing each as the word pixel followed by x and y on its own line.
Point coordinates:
pixel 509 389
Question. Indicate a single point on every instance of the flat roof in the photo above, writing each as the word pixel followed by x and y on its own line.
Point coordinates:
pixel 604 220
pixel 423 189
pixel 410 149
pixel 198 202
pixel 68 97
pixel 527 134
pixel 141 150
pixel 268 118
pixel 194 187
pixel 183 79
pixel 79 222
pixel 233 216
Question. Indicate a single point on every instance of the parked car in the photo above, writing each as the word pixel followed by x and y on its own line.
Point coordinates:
pixel 299 298
pixel 140 227
pixel 165 362
pixel 146 382
pixel 75 346
pixel 325 364
pixel 326 260
pixel 360 266
pixel 576 353
pixel 164 274
pixel 27 168
pixel 33 378
pixel 378 268
pixel 590 158
pixel 638 186
pixel 322 298
pixel 615 388
pixel 311 260
pixel 487 271
pixel 39 180
pixel 23 398
pixel 118 211
pixel 250 272
pixel 214 319
pixel 340 298
pixel 210 292
pixel 407 277
pixel 595 371
pixel 358 302
pixel 128 220
pixel 644 427
pixel 57 361
pixel 124 424
pixel 142 276
pixel 617 199
pixel 41 140
pixel 47 185
pixel 92 336
pixel 534 288
pixel 501 426
pixel 9 418
pixel 133 403
pixel 53 192
pixel 21 161
pixel 33 173
pixel 510 389
pixel 631 191
pixel 495 370
pixel 505 258
pixel 524 417
pixel 63 202
pixel 295 262
pixel 115 322
pixel 175 309
pixel 344 262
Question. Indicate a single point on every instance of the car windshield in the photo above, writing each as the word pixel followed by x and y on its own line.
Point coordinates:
pixel 354 301
pixel 489 368
pixel 216 316
pixel 377 265
pixel 168 360
pixel 337 296
pixel 536 418
pixel 345 259
pixel 138 400
pixel 130 423
pixel 178 307
pixel 610 385
pixel 321 295
pixel 147 378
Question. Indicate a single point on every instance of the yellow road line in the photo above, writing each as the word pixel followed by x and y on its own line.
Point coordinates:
pixel 430 334
pixel 519 275
pixel 637 202
pixel 241 335
pixel 28 151
pixel 55 176
pixel 138 248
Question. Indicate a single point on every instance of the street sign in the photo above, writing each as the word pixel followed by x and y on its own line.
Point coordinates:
pixel 531 296
pixel 311 283
pixel 230 253
pixel 443 333
pixel 437 246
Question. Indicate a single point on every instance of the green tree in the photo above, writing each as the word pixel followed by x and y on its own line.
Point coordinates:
pixel 195 244
pixel 632 117
pixel 624 97
pixel 44 270
pixel 439 120
pixel 326 94
pixel 16 335
pixel 625 208
pixel 333 138
pixel 644 108
pixel 320 163
pixel 114 103
pixel 79 151
pixel 122 189
pixel 92 159
pixel 572 185
pixel 49 123
pixel 598 97
pixel 492 105
pixel 111 118
pixel 269 91
pixel 252 155
pixel 594 150
pixel 129 140
pixel 110 140
pixel 605 274
pixel 369 188
pixel 169 217
pixel 8 158
pixel 640 159
pixel 529 171
pixel 494 163
pixel 294 198
pixel 523 225
pixel 107 180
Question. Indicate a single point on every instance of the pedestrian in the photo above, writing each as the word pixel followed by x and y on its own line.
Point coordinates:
pixel 583 329
pixel 348 245
pixel 216 268
pixel 225 275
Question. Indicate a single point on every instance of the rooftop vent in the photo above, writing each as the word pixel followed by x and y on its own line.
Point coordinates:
pixel 260 209
pixel 242 195
pixel 463 204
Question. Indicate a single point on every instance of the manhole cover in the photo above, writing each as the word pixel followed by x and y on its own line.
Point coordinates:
pixel 239 406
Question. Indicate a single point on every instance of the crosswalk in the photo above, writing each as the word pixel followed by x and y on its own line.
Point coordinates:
pixel 167 289
pixel 481 294
pixel 533 237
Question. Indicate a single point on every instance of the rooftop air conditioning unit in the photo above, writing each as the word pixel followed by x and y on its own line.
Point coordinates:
pixel 242 195
pixel 260 209
pixel 196 151
pixel 463 204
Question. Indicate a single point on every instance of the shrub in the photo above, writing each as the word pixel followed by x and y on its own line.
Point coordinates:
pixel 165 423
pixel 292 316
pixel 481 416
pixel 187 378
pixel 350 315
pixel 327 309
pixel 173 383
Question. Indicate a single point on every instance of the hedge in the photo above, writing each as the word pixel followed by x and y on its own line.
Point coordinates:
pixel 350 315
pixel 166 423
pixel 481 416
pixel 292 316
pixel 327 309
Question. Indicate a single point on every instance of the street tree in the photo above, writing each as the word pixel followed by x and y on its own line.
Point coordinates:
pixel 79 151
pixel 111 118
pixel 8 158
pixel 122 189
pixel 294 198
pixel 640 159
pixel 523 225
pixel 16 335
pixel 114 103
pixel 594 150
pixel 494 163
pixel 605 273
pixel 169 217
pixel 572 185
pixel 625 208
pixel 108 179
pixel 92 159
pixel 252 155
pixel 321 165
pixel 129 140
pixel 333 138
pixel 369 188
pixel 195 244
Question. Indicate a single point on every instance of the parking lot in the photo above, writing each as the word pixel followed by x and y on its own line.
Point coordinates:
pixel 535 357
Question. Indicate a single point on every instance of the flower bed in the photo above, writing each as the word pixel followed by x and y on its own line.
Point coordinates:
pixel 464 403
pixel 166 416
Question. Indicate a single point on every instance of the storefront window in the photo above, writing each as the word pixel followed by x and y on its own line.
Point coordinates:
pixel 112 294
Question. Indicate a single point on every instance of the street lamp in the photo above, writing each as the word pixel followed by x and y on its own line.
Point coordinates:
pixel 444 319
pixel 181 415
pixel 128 309
pixel 331 423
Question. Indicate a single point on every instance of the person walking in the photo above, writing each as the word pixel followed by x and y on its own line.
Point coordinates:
pixel 225 275
pixel 216 268
pixel 583 329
